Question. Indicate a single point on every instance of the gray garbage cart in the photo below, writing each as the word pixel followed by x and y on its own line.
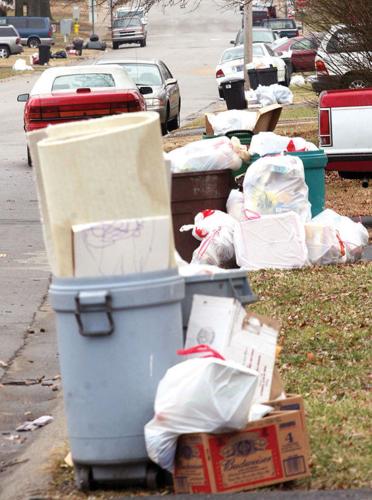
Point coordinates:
pixel 117 336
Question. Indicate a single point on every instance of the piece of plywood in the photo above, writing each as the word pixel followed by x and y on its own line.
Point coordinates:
pixel 121 247
pixel 104 169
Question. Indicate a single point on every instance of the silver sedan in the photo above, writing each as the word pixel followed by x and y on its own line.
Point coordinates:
pixel 159 88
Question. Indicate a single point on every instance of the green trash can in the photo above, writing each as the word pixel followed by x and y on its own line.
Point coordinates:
pixel 315 163
pixel 244 136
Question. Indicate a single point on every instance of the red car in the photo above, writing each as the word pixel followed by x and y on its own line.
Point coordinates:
pixel 303 52
pixel 72 93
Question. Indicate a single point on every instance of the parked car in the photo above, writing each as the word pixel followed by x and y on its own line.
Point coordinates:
pixel 128 30
pixel 303 51
pixel 259 35
pixel 283 27
pixel 160 88
pixel 260 14
pixel 231 63
pixel 340 62
pixel 10 42
pixel 33 30
pixel 345 123
pixel 69 93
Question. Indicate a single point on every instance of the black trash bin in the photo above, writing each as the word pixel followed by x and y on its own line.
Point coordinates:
pixel 233 92
pixel 262 76
pixel 44 54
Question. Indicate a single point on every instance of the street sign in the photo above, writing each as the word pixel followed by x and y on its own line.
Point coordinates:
pixel 75 13
pixel 65 26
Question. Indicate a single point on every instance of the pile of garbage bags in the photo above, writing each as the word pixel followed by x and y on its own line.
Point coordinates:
pixel 269 223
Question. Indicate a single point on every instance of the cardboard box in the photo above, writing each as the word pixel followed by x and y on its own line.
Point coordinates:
pixel 272 450
pixel 267 119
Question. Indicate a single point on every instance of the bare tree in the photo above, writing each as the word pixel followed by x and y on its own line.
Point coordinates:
pixel 33 8
pixel 352 42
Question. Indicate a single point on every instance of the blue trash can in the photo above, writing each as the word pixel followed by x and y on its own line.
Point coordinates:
pixel 117 336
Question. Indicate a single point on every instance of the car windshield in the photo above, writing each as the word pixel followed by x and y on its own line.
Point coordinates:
pixel 280 24
pixel 86 80
pixel 126 13
pixel 238 53
pixel 126 22
pixel 143 74
pixel 264 36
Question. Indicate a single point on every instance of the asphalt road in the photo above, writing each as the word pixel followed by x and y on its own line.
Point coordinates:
pixel 190 44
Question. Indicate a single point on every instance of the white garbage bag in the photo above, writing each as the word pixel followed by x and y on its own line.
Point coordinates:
pixel 298 80
pixel 212 154
pixel 207 221
pixel 324 244
pixel 352 234
pixel 276 184
pixel 198 395
pixel 271 242
pixel 21 65
pixel 235 204
pixel 265 95
pixel 267 143
pixel 217 249
pixel 234 119
pixel 282 94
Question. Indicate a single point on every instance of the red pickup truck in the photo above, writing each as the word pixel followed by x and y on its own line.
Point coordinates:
pixel 345 125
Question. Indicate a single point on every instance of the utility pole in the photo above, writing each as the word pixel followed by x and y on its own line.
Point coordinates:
pixel 248 48
pixel 111 13
pixel 92 7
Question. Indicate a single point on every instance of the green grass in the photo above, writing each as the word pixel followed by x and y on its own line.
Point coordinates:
pixel 326 357
pixel 298 112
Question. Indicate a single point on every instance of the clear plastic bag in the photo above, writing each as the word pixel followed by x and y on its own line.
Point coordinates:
pixel 217 249
pixel 324 244
pixel 235 204
pixel 198 395
pixel 353 235
pixel 276 184
pixel 212 154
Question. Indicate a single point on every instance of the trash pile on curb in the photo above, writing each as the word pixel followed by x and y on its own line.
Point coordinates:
pixel 270 222
pixel 172 368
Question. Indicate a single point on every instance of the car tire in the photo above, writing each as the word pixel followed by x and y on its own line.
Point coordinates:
pixel 220 93
pixel 115 45
pixel 175 122
pixel 33 42
pixel 164 126
pixel 355 81
pixel 4 52
pixel 143 43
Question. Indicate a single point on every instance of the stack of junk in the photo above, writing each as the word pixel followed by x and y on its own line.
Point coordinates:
pixel 151 317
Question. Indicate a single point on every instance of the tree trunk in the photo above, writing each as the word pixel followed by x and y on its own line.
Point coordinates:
pixel 33 8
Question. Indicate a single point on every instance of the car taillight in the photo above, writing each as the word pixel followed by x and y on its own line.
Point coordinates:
pixel 321 67
pixel 50 33
pixel 49 112
pixel 133 104
pixel 220 73
pixel 34 112
pixel 325 134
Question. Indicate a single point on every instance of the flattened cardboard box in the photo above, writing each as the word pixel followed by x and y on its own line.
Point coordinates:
pixel 272 450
